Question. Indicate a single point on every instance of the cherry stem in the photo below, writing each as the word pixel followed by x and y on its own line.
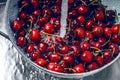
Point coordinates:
pixel 23 7
pixel 84 3
pixel 70 69
pixel 92 3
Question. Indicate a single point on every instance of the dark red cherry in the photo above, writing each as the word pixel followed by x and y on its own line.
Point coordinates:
pixel 21 33
pixel 21 41
pixel 17 25
pixel 35 3
pixel 30 48
pixel 70 1
pixel 49 28
pixel 115 48
pixel 37 12
pixel 96 44
pixel 89 24
pixel 32 18
pixel 47 12
pixel 34 35
pixel 41 62
pixel 97 31
pixel 80 32
pixel 42 47
pixel 107 56
pixel 87 56
pixel 23 15
pixel 42 21
pixel 75 50
pixel 72 13
pixel 56 9
pixel 100 15
pixel 99 60
pixel 79 68
pixel 64 49
pixel 102 40
pixel 88 35
pixel 35 55
pixel 58 2
pixel 107 32
pixel 92 66
pixel 85 45
pixel 81 19
pixel 55 57
pixel 69 59
pixel 116 28
pixel 82 9
pixel 116 38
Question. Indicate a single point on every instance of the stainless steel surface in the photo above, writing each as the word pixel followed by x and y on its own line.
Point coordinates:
pixel 15 67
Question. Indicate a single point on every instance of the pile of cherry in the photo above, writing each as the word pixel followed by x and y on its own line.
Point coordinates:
pixel 92 36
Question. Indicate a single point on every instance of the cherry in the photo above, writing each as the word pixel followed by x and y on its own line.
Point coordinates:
pixel 107 56
pixel 99 60
pixel 42 21
pixel 102 41
pixel 86 56
pixel 74 23
pixel 49 28
pixel 54 67
pixel 72 13
pixel 107 32
pixel 58 2
pixel 82 9
pixel 115 28
pixel 56 10
pixel 17 25
pixel 70 1
pixel 21 41
pixel 89 24
pixel 21 33
pixel 34 35
pixel 69 59
pixel 92 66
pixel 35 55
pixel 55 57
pixel 88 35
pixel 32 18
pixel 47 12
pixel 80 32
pixel 116 38
pixel 42 47
pixel 37 12
pixel 30 48
pixel 35 3
pixel 96 45
pixel 100 15
pixel 97 31
pixel 85 45
pixel 41 62
pixel 114 47
pixel 75 50
pixel 81 19
pixel 79 68
pixel 23 15
pixel 64 49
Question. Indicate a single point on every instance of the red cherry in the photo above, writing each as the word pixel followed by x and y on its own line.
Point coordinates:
pixel 81 19
pixel 64 49
pixel 100 15
pixel 96 44
pixel 23 15
pixel 58 2
pixel 85 45
pixel 55 57
pixel 69 59
pixel 70 1
pixel 47 12
pixel 21 41
pixel 56 10
pixel 80 32
pixel 34 35
pixel 115 48
pixel 42 47
pixel 82 9
pixel 107 56
pixel 97 31
pixel 35 3
pixel 107 32
pixel 115 28
pixel 37 12
pixel 87 56
pixel 79 68
pixel 116 38
pixel 21 33
pixel 32 18
pixel 89 24
pixel 42 21
pixel 41 62
pixel 100 60
pixel 35 55
pixel 75 50
pixel 88 35
pixel 72 13
pixel 101 40
pixel 30 48
pixel 49 28
pixel 92 66
pixel 17 25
